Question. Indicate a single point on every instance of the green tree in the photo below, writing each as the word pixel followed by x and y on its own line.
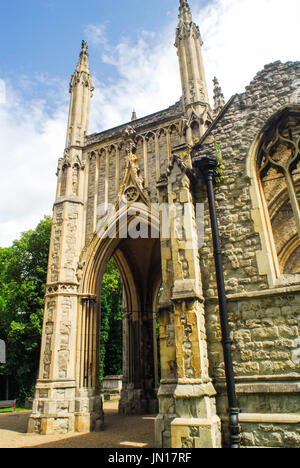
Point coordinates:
pixel 22 288
pixel 23 271
pixel 111 357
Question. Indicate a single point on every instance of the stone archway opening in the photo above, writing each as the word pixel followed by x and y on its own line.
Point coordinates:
pixel 111 331
pixel 139 265
pixel 138 260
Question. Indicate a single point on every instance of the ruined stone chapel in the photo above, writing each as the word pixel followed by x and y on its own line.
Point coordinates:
pixel 115 191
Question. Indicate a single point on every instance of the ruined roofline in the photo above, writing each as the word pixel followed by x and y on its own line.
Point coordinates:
pixel 268 69
pixel 273 65
pixel 152 119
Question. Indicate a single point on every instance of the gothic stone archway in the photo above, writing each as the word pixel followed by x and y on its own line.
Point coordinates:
pixel 133 162
pixel 145 161
pixel 67 395
pixel 139 264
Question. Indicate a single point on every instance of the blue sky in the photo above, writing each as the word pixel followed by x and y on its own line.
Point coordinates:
pixel 45 34
pixel 133 63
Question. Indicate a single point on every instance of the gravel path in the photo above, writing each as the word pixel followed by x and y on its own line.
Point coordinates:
pixel 119 432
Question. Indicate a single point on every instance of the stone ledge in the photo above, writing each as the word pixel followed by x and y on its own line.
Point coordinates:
pixel 263 384
pixel 186 289
pixel 68 199
pixel 255 294
pixel 195 421
pixel 48 384
pixel 194 391
pixel 278 418
pixel 52 416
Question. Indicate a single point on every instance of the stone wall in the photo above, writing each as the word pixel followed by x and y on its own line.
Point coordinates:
pixel 265 332
pixel 264 317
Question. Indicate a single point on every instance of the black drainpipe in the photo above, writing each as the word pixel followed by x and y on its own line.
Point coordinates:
pixel 206 167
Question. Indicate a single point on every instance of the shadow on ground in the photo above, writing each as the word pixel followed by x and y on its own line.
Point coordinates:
pixel 119 432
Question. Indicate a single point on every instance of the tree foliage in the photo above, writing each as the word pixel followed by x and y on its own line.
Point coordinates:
pixel 111 322
pixel 23 270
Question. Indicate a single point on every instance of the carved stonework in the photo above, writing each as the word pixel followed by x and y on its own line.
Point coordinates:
pixel 47 355
pixel 79 271
pixel 187 347
pixel 63 288
pixel 184 264
pixel 133 186
pixel 131 194
pixel 56 243
pixel 70 237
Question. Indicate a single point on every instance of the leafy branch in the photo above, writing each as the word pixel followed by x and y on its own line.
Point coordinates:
pixel 218 154
pixel 219 158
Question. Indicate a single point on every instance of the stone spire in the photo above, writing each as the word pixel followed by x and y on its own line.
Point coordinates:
pixel 219 101
pixel 189 50
pixel 81 89
pixel 184 11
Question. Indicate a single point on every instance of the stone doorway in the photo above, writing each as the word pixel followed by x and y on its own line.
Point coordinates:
pixel 138 259
pixel 139 265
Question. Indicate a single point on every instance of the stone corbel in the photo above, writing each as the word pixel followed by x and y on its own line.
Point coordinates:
pixel 186 289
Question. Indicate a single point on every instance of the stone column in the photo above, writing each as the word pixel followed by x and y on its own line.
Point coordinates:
pixel 88 407
pixel 56 407
pixel 133 397
pixel 196 424
pixel 148 360
pixel 168 364
pixel 128 378
pixel 54 403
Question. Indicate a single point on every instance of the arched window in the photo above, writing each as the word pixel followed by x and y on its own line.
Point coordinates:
pixel 278 172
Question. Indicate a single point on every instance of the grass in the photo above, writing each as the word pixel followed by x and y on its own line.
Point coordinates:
pixel 10 410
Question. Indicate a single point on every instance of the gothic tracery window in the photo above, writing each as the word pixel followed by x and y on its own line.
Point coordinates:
pixel 278 170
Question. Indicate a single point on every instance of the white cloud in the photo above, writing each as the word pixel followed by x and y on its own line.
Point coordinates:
pixel 96 33
pixel 148 80
pixel 240 37
pixel 2 92
pixel 31 142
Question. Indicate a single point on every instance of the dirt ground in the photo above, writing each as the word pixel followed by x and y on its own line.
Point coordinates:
pixel 119 432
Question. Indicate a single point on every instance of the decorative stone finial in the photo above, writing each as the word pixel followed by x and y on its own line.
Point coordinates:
pixel 184 12
pixel 84 46
pixel 186 27
pixel 219 101
pixel 184 4
pixel 133 117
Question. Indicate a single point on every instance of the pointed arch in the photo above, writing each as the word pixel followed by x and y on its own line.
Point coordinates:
pixel 274 169
pixel 139 263
pixel 105 242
